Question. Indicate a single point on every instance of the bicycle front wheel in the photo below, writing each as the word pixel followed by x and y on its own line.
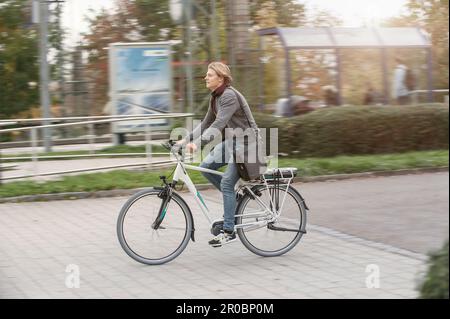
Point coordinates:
pixel 137 235
pixel 269 239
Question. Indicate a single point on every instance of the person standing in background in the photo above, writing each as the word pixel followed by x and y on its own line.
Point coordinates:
pixel 400 90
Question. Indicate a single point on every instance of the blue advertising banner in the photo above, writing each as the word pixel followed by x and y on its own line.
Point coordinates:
pixel 140 82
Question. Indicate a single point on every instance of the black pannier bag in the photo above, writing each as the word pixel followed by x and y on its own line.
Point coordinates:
pixel 249 151
pixel 248 157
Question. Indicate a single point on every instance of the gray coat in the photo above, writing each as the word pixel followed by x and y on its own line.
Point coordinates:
pixel 233 112
pixel 230 114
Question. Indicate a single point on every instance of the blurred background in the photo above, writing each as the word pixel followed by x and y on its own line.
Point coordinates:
pixel 324 73
pixel 202 31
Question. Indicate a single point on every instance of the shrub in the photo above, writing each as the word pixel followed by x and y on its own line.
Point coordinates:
pixel 435 285
pixel 349 130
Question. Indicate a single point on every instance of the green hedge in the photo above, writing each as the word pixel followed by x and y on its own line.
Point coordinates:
pixel 435 285
pixel 361 130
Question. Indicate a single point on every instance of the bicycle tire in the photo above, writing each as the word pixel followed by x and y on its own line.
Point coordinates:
pixel 251 241
pixel 133 246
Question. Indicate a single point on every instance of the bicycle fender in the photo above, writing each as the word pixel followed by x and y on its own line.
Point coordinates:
pixel 301 197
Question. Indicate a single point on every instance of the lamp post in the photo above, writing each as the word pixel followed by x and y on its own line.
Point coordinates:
pixel 44 72
pixel 40 15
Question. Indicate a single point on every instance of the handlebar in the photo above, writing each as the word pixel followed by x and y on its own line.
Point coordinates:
pixel 172 146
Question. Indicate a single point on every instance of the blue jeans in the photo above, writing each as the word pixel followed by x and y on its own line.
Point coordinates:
pixel 219 157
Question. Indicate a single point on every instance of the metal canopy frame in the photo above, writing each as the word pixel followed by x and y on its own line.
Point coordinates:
pixel 339 38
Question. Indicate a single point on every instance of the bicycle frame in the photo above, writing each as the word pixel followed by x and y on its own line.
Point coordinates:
pixel 181 174
pixel 261 214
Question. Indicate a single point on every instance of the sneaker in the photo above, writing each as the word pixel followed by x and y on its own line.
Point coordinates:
pixel 225 237
pixel 217 227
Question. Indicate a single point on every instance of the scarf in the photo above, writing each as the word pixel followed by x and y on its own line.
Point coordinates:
pixel 215 94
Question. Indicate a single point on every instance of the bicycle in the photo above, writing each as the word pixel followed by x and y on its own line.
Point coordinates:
pixel 155 225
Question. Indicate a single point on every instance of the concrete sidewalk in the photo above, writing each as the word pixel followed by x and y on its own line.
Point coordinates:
pixel 44 244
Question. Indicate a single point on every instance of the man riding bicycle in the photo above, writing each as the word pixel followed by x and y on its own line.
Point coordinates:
pixel 228 109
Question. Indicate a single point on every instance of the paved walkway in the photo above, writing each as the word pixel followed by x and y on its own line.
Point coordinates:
pixel 44 245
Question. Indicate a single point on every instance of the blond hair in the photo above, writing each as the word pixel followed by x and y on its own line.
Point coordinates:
pixel 222 70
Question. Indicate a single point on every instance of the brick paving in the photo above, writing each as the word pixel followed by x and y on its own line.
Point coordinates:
pixel 43 244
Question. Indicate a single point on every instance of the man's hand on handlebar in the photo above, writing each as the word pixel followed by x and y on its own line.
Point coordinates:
pixel 190 147
pixel 177 146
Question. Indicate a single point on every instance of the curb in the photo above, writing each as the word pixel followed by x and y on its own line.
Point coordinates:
pixel 129 192
pixel 338 177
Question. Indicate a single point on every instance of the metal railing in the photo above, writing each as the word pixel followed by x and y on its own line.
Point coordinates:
pixel 92 120
pixel 415 94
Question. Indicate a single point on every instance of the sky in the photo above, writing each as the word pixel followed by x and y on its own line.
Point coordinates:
pixel 354 13
pixel 73 16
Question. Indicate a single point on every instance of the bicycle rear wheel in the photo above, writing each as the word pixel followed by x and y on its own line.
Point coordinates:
pixel 137 235
pixel 278 237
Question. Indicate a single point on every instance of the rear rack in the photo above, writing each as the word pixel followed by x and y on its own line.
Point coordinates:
pixel 279 178
pixel 279 175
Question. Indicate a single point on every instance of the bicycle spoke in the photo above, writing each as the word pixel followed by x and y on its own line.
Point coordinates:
pixel 176 228
pixel 155 233
pixel 279 235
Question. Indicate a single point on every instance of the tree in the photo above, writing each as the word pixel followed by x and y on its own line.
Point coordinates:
pixel 18 60
pixel 106 28
pixel 154 19
pixel 284 13
pixel 56 38
pixel 132 21
pixel 149 20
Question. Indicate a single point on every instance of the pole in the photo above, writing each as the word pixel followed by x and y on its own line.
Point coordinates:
pixel 44 72
pixel 430 75
pixel 384 67
pixel 190 79
pixel 261 74
pixel 34 150
pixel 338 76
pixel 0 164
pixel 60 62
pixel 288 74
pixel 213 35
